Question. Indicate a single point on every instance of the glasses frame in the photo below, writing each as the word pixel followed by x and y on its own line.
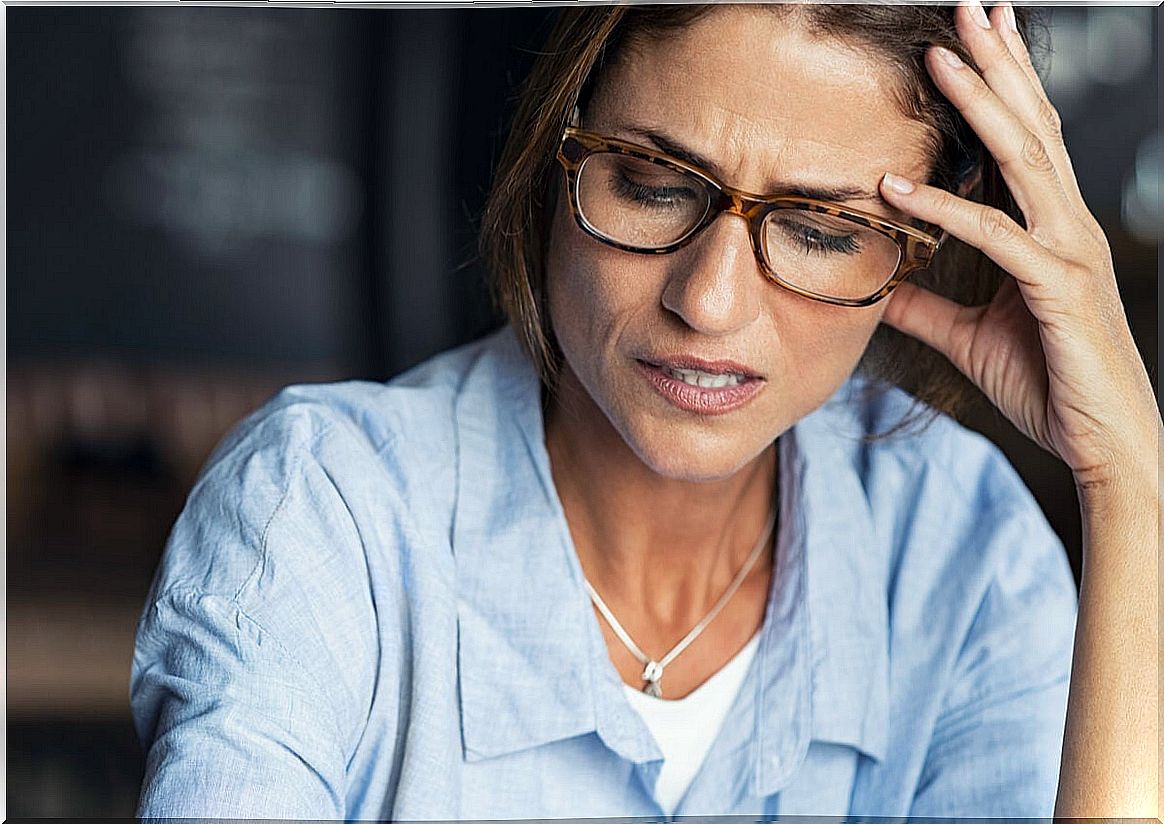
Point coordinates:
pixel 917 247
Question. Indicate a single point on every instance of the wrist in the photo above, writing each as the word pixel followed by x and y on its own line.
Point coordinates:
pixel 1123 509
pixel 1130 478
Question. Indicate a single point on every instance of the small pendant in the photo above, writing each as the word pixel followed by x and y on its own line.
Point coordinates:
pixel 652 674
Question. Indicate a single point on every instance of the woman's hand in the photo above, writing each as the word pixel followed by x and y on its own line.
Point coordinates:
pixel 1054 353
pixel 1053 350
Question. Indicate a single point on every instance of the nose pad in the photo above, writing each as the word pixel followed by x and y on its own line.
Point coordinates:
pixel 715 285
pixel 733 204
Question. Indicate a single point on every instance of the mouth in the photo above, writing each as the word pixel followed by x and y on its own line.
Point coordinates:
pixel 702 387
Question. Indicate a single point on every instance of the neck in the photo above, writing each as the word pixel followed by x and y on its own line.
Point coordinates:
pixel 661 547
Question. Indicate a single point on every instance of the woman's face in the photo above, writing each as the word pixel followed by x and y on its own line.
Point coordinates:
pixel 768 108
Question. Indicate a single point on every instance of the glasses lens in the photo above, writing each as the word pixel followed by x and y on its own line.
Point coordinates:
pixel 638 203
pixel 827 255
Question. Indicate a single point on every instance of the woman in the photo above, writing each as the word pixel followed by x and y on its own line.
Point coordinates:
pixel 653 553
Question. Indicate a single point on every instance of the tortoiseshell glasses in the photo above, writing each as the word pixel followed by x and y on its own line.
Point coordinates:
pixel 641 200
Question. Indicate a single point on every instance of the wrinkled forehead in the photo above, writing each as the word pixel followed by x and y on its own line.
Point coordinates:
pixel 693 42
pixel 757 89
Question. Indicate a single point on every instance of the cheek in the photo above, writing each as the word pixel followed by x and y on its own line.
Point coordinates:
pixel 823 343
pixel 575 305
pixel 593 290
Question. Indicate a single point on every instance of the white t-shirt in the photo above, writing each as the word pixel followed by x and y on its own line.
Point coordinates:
pixel 685 728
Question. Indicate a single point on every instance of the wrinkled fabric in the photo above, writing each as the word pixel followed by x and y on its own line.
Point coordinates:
pixel 371 608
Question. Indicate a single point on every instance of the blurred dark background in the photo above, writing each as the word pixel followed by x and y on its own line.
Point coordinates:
pixel 205 204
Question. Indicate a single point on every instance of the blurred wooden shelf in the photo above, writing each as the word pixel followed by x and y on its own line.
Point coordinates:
pixel 70 658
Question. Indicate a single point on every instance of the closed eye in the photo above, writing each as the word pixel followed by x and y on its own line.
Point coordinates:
pixel 816 240
pixel 655 196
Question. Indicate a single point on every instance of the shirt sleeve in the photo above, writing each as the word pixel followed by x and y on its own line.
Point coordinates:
pixel 997 741
pixel 235 727
pixel 252 666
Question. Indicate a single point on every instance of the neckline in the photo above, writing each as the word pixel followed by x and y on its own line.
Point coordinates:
pixel 723 673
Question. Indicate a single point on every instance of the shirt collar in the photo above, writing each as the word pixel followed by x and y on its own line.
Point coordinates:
pixel 827 678
pixel 847 572
pixel 531 660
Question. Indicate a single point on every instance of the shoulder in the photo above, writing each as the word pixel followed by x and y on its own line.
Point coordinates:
pixel 973 584
pixel 939 464
pixel 355 431
pixel 950 513
pixel 317 522
pixel 321 474
pixel 414 413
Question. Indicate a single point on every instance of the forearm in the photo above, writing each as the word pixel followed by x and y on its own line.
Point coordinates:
pixel 1110 763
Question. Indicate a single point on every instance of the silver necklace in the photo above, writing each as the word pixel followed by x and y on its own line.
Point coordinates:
pixel 652 669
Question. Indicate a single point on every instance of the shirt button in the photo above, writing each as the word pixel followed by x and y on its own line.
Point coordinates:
pixel 774 762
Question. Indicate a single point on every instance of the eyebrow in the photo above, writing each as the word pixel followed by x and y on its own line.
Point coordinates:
pixel 835 194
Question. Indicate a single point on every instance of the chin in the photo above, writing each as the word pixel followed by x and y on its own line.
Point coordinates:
pixel 681 454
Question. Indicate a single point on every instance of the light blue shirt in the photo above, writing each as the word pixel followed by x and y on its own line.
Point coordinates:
pixel 371 608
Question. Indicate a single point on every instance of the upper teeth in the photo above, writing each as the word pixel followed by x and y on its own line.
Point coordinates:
pixel 704 379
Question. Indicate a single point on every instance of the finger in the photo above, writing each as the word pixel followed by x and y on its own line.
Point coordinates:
pixel 936 321
pixel 999 66
pixel 992 231
pixel 993 49
pixel 1022 157
pixel 1048 120
pixel 1005 63
pixel 1040 116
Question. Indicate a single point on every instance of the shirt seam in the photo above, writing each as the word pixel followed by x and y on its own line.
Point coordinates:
pixel 261 563
pixel 375 609
pixel 297 462
pixel 183 593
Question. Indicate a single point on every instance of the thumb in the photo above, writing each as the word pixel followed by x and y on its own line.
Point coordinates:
pixel 939 322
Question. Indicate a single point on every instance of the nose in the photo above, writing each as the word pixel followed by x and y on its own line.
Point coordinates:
pixel 715 283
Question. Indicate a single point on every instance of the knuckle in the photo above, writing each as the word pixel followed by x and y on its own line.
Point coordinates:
pixel 1034 154
pixel 1101 257
pixel 949 207
pixel 1078 285
pixel 1075 273
pixel 995 225
pixel 1095 231
pixel 1050 121
pixel 1023 56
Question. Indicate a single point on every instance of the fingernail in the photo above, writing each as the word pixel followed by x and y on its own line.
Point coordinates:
pixel 1008 16
pixel 898 184
pixel 949 58
pixel 978 14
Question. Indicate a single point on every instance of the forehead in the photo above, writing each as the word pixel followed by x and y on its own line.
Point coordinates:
pixel 763 98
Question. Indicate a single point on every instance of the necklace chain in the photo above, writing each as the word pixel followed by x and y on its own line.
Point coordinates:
pixel 652 669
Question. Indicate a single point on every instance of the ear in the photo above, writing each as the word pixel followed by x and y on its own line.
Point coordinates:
pixel 970 180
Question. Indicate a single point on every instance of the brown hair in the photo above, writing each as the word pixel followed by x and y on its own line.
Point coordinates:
pixel 515 225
